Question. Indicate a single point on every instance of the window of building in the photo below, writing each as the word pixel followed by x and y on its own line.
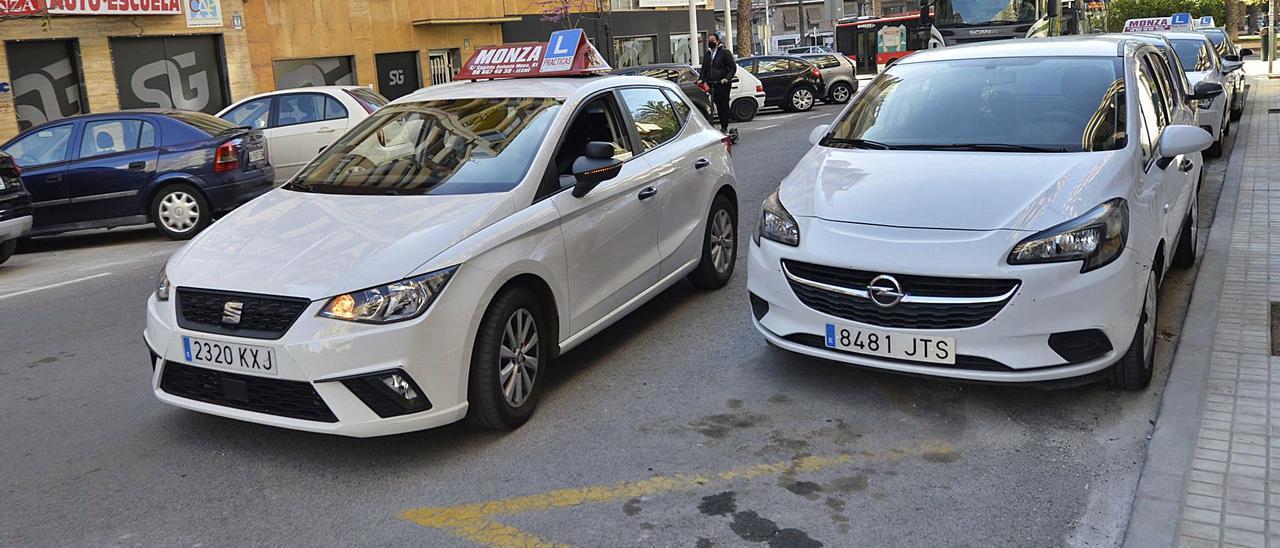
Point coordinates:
pixel 318 71
pixel 46 81
pixel 635 50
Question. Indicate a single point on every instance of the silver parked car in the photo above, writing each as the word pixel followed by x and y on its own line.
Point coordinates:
pixel 839 74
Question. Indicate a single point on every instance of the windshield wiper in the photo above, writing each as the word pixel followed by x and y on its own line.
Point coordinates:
pixel 856 143
pixel 986 147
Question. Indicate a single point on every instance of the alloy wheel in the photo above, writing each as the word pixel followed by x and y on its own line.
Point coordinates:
pixel 518 357
pixel 722 243
pixel 1149 323
pixel 802 99
pixel 179 211
pixel 840 94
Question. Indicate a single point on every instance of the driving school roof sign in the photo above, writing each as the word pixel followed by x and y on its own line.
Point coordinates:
pixel 567 53
pixel 1147 24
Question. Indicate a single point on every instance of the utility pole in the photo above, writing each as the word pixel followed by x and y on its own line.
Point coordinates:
pixel 804 39
pixel 1271 41
pixel 693 34
pixel 728 25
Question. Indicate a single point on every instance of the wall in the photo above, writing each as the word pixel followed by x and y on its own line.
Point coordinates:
pixel 291 29
pixel 95 54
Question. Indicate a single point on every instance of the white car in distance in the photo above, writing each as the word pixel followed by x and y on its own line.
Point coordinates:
pixel 1001 212
pixel 1201 61
pixel 433 262
pixel 299 122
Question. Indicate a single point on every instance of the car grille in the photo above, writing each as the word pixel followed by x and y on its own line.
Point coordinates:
pixel 293 399
pixel 953 302
pixel 261 316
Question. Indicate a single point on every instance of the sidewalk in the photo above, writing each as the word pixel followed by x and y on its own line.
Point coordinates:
pixel 1211 477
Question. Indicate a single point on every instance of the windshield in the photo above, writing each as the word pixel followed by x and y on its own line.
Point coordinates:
pixel 1193 54
pixel 1016 104
pixel 452 146
pixel 973 12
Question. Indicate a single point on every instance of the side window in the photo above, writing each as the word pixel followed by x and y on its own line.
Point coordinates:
pixel 597 120
pixel 682 108
pixel 43 146
pixel 655 119
pixel 299 108
pixel 795 66
pixel 1153 89
pixel 748 64
pixel 110 137
pixel 254 114
pixel 1147 128
pixel 1172 93
pixel 766 67
pixel 333 110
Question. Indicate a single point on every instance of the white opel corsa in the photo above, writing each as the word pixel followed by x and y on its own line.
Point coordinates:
pixel 433 261
pixel 999 212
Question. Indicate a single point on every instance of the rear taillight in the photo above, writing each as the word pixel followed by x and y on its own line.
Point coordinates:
pixel 759 88
pixel 815 72
pixel 728 144
pixel 227 157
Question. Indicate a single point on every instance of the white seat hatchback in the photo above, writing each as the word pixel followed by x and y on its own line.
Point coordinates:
pixel 1000 212
pixel 299 122
pixel 433 262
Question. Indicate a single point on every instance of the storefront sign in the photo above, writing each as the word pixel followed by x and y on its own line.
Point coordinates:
pixel 203 13
pixel 19 7
pixel 1147 24
pixel 114 7
pixel 567 53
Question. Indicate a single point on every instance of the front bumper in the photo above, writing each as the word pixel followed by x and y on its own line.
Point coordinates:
pixel 1051 298
pixel 15 227
pixel 433 350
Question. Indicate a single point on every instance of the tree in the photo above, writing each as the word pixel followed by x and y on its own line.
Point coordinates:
pixel 1120 11
pixel 569 13
pixel 743 34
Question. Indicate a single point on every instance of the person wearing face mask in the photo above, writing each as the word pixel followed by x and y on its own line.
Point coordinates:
pixel 717 72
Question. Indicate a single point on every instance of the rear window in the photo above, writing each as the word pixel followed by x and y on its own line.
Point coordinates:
pixel 450 146
pixel 201 121
pixel 368 99
pixel 823 61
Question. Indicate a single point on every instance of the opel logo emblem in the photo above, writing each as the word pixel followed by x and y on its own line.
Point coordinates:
pixel 231 312
pixel 885 291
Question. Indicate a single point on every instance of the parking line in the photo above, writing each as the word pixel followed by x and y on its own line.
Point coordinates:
pixel 766 127
pixel 51 286
pixel 473 521
pixel 820 115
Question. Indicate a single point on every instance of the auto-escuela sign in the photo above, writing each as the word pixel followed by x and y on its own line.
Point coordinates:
pixel 1147 24
pixel 566 53
pixel 91 7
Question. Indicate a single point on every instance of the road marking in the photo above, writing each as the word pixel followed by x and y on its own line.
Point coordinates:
pixel 51 286
pixel 766 127
pixel 821 115
pixel 472 521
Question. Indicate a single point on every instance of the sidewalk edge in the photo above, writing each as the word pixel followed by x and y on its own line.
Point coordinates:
pixel 1157 503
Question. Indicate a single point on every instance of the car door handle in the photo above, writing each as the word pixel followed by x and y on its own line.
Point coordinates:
pixel 1185 165
pixel 136 166
pixel 55 178
pixel 325 130
pixel 701 163
pixel 648 193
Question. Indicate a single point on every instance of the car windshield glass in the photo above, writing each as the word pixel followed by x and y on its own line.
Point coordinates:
pixel 367 98
pixel 1062 104
pixel 201 121
pixel 447 146
pixel 973 12
pixel 1193 54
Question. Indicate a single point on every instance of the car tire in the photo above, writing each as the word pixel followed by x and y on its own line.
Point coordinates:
pixel 719 246
pixel 1185 255
pixel 839 94
pixel 800 99
pixel 1133 371
pixel 744 109
pixel 180 211
pixel 504 342
pixel 7 248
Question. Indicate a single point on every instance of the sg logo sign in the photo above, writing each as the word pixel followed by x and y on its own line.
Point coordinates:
pixel 395 77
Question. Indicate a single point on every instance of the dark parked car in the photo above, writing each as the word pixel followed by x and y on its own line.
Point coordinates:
pixel 174 168
pixel 683 75
pixel 15 207
pixel 789 82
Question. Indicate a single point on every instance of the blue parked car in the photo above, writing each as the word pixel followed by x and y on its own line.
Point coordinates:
pixel 175 168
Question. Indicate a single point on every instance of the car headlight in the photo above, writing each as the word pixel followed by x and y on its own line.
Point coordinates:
pixel 776 224
pixel 162 286
pixel 1097 238
pixel 394 302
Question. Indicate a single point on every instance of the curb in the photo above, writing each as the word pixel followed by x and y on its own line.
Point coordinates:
pixel 1157 503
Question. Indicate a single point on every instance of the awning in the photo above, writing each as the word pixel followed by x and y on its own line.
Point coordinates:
pixel 466 21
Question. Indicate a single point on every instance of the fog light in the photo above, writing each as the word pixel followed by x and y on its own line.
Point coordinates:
pixel 388 393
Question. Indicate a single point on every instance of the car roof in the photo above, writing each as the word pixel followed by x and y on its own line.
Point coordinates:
pixel 1073 46
pixel 113 114
pixel 554 87
pixel 1182 35
pixel 656 66
pixel 303 89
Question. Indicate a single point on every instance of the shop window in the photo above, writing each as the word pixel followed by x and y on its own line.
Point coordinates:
pixel 47 86
pixel 184 72
pixel 318 71
pixel 680 47
pixel 635 51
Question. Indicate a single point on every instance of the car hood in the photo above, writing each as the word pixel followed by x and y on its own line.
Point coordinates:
pixel 950 190
pixel 320 245
pixel 1195 77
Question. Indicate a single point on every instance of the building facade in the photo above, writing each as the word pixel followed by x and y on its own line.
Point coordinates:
pixel 626 32
pixel 63 59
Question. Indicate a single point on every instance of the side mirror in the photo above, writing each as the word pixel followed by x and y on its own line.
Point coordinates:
pixel 1205 90
pixel 596 166
pixel 1232 66
pixel 1181 139
pixel 1246 52
pixel 818 133
pixel 1231 58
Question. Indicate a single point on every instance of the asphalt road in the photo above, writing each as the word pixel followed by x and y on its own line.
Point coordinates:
pixel 678 426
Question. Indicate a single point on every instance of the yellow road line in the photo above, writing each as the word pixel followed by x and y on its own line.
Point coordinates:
pixel 471 521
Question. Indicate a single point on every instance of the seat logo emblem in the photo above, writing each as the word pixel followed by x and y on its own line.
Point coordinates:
pixel 231 312
pixel 885 291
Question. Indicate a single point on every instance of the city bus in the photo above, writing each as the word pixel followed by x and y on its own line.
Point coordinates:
pixel 875 42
